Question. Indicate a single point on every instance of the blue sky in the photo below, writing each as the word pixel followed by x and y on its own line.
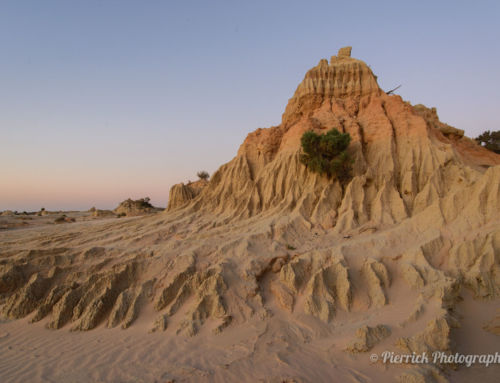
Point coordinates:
pixel 105 100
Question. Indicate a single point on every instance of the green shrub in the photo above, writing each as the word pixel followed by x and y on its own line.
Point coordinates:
pixel 327 153
pixel 490 140
pixel 145 202
pixel 203 175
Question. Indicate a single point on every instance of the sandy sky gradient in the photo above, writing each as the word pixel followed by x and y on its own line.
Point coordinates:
pixel 105 100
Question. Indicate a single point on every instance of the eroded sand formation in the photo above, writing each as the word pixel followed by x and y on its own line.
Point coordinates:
pixel 380 263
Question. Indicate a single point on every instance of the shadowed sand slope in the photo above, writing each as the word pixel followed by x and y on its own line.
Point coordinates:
pixel 271 272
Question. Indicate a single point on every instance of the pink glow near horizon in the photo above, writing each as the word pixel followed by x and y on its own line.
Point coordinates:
pixel 71 194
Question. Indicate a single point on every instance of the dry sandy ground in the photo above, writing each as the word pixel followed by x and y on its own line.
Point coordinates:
pixel 256 352
pixel 271 346
pixel 23 221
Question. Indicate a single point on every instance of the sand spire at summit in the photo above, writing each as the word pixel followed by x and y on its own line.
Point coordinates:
pixel 402 156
